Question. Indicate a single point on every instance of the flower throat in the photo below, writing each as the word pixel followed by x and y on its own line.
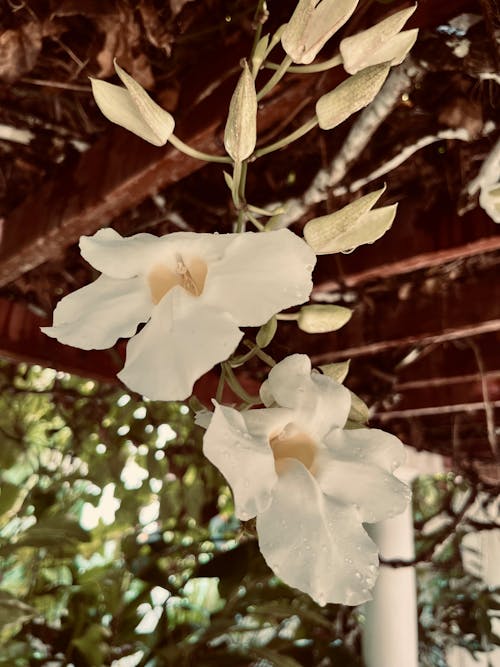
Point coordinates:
pixel 190 275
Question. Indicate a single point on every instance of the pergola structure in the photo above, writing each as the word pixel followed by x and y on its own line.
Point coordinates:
pixel 424 336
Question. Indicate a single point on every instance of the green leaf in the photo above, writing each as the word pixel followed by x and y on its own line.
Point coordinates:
pixel 13 611
pixel 9 493
pixel 56 532
pixel 275 658
pixel 92 645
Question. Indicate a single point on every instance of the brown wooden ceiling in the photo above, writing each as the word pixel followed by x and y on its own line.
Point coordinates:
pixel 425 331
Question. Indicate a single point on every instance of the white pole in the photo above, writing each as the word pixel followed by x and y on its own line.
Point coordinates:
pixel 390 633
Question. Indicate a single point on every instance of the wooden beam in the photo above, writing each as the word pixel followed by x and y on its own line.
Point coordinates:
pixel 121 170
pixel 414 242
pixel 447 311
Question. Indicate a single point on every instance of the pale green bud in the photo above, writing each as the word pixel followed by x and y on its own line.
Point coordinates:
pixel 360 412
pixel 311 26
pixel 352 226
pixel 350 96
pixel 132 108
pixel 338 371
pixel 266 332
pixel 381 43
pixel 240 134
pixel 259 54
pixel 321 318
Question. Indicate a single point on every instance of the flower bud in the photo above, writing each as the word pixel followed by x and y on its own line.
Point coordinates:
pixel 240 134
pixel 322 318
pixel 352 226
pixel 132 108
pixel 350 96
pixel 338 371
pixel 311 26
pixel 381 43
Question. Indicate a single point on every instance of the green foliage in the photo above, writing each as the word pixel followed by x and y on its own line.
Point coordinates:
pixel 117 539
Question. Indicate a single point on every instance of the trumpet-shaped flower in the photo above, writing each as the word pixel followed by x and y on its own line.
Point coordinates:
pixel 310 483
pixel 311 26
pixel 132 108
pixel 193 290
pixel 381 43
pixel 489 200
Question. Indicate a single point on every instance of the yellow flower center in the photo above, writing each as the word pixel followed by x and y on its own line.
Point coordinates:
pixel 190 275
pixel 294 444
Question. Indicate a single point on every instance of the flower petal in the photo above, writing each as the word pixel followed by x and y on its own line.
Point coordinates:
pixel 238 444
pixel 318 402
pixel 315 544
pixel 183 340
pixel 375 493
pixel 94 317
pixel 120 257
pixel 259 275
pixel 367 445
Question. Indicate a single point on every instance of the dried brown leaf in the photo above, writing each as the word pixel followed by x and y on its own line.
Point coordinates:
pixel 19 50
pixel 177 5
pixel 122 36
pixel 154 26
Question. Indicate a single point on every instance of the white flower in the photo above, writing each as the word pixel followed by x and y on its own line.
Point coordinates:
pixel 381 43
pixel 132 108
pixel 193 290
pixel 310 483
pixel 489 200
pixel 311 26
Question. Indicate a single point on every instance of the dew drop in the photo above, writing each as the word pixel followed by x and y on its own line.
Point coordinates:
pixel 357 574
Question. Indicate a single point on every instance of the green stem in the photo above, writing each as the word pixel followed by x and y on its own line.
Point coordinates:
pixel 242 359
pixel 220 385
pixel 259 12
pixel 309 69
pixel 287 317
pixel 258 225
pixel 233 382
pixel 192 152
pixel 241 222
pixel 303 129
pixel 276 77
pixel 265 212
pixel 235 192
pixel 260 353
